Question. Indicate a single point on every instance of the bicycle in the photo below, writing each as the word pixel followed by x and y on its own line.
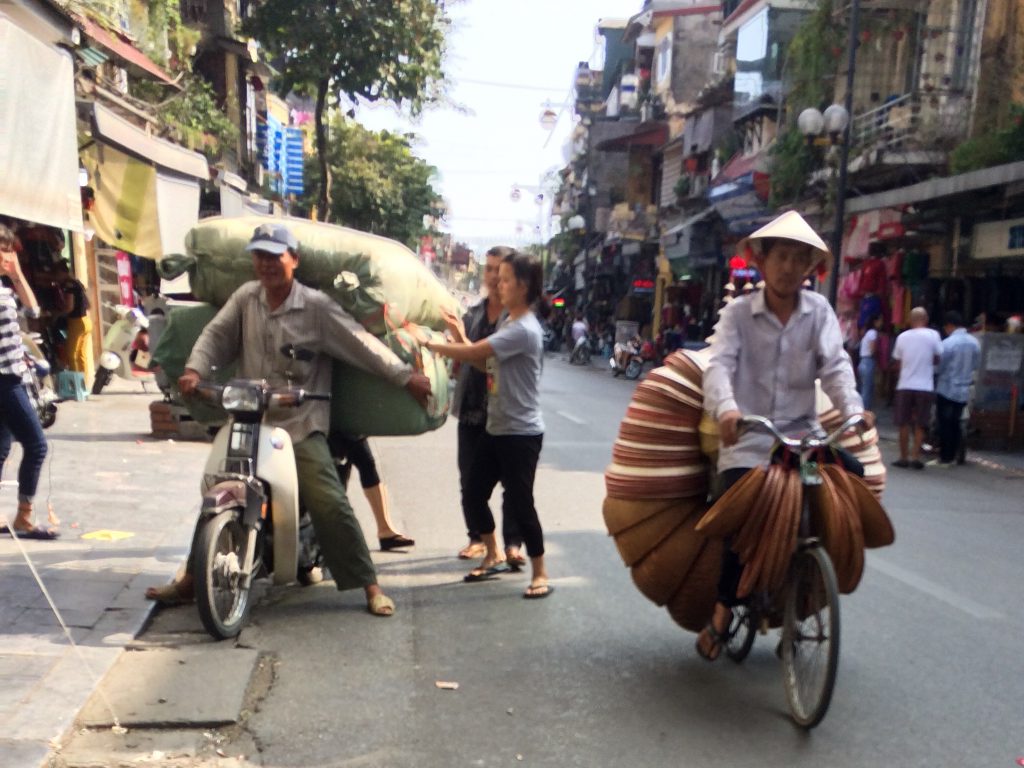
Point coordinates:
pixel 809 597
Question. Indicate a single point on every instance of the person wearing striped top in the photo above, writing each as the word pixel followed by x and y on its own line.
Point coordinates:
pixel 18 419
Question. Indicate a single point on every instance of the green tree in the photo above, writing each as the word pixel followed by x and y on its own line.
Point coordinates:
pixel 378 184
pixel 375 50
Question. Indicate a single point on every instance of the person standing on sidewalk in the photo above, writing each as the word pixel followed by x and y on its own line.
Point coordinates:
pixel 868 362
pixel 469 406
pixel 18 419
pixel 76 308
pixel 961 356
pixel 917 353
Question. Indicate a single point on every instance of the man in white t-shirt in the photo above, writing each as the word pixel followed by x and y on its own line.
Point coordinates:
pixel 580 329
pixel 917 353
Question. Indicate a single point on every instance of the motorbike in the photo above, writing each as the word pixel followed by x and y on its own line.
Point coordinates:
pixel 125 349
pixel 581 351
pixel 38 384
pixel 250 524
pixel 639 355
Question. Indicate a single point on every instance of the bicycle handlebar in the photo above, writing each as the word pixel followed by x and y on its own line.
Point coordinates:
pixel 807 442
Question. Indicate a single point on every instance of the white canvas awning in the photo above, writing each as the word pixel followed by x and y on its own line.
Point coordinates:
pixel 38 141
pixel 146 189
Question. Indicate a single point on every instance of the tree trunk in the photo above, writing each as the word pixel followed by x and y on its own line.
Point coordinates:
pixel 323 203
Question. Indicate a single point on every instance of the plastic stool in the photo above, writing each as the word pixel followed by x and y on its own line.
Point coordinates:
pixel 71 386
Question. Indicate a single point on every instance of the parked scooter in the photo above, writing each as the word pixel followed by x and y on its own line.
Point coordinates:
pixel 581 351
pixel 125 349
pixel 250 523
pixel 38 383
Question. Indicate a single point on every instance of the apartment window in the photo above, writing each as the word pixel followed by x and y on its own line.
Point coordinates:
pixel 964 45
pixel 664 62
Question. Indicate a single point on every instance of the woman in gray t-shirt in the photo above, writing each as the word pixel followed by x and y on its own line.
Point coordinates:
pixel 513 357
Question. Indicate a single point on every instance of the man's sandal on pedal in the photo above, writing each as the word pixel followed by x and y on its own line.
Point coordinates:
pixel 718 641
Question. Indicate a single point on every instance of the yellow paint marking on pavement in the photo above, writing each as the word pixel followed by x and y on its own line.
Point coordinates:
pixel 107 535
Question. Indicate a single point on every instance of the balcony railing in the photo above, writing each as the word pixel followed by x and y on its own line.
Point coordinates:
pixel 909 123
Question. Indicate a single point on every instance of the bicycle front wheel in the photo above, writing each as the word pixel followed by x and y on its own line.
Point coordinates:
pixel 810 636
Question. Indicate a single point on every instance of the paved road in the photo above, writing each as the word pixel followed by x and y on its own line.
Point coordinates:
pixel 931 670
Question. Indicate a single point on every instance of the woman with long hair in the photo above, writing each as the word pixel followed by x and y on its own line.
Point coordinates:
pixel 18 419
pixel 513 357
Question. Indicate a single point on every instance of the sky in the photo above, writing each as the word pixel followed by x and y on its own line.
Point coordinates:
pixel 508 62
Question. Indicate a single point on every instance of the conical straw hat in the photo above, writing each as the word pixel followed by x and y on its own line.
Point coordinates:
pixel 792 226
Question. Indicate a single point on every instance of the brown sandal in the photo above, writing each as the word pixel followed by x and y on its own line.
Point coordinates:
pixel 381 605
pixel 169 595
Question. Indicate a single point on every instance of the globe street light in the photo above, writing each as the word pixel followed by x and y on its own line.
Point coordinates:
pixel 836 123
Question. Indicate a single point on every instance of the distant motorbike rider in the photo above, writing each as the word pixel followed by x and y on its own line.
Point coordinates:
pixel 625 350
pixel 259 319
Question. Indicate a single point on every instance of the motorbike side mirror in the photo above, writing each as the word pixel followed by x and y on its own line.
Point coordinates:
pixel 297 353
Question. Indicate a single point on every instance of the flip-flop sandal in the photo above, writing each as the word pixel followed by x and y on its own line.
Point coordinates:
pixel 486 574
pixel 381 605
pixel 37 533
pixel 515 562
pixel 532 592
pixel 718 640
pixel 473 551
pixel 398 541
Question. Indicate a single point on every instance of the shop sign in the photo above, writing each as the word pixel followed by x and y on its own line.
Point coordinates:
pixel 124 278
pixel 998 239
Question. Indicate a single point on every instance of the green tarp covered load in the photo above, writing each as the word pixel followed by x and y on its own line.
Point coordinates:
pixel 364 273
pixel 378 281
pixel 361 404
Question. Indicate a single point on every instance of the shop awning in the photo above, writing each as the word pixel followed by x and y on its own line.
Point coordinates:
pixel 114 130
pixel 678 229
pixel 125 51
pixel 38 143
pixel 146 189
pixel 645 135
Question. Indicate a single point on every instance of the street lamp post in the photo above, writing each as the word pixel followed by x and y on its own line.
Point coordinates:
pixel 836 121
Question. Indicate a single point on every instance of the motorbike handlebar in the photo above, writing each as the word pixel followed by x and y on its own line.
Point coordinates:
pixel 276 397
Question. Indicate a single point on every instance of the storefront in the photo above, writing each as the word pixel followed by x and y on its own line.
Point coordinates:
pixel 145 197
pixel 40 197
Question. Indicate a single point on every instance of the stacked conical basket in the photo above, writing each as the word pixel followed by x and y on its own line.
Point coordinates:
pixel 657 486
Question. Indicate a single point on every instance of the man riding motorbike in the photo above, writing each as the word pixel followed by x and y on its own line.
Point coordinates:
pixel 259 319
pixel 624 351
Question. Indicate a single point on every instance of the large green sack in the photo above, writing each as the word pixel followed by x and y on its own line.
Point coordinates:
pixel 361 403
pixel 364 273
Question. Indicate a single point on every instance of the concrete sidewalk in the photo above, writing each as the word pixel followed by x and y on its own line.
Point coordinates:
pixel 127 505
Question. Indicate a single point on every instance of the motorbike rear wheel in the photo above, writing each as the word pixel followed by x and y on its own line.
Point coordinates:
pixel 48 415
pixel 221 598
pixel 103 377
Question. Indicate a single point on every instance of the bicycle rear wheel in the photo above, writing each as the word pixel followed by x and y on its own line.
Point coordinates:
pixel 810 636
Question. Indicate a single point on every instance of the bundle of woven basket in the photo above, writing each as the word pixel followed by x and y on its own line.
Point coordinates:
pixel 656 506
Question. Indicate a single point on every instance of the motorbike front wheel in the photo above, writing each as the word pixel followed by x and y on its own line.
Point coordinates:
pixel 222 591
pixel 103 377
pixel 634 368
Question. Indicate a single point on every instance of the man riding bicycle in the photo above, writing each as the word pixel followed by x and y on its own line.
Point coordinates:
pixel 769 349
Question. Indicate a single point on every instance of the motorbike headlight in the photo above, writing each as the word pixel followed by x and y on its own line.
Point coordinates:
pixel 240 399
